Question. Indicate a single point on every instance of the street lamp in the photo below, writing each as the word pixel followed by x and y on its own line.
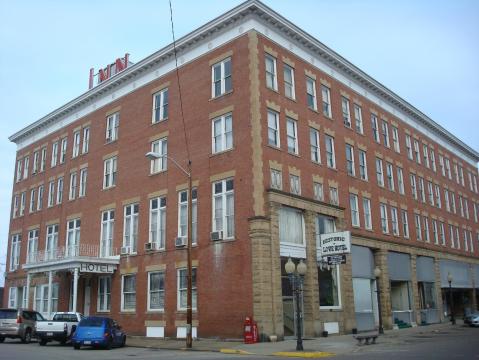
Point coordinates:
pixel 189 290
pixel 451 304
pixel 296 277
pixel 377 274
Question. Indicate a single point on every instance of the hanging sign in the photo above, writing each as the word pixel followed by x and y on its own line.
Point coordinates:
pixel 336 243
pixel 97 268
pixel 336 259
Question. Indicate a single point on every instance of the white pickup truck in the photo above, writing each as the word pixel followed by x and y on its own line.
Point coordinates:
pixel 61 328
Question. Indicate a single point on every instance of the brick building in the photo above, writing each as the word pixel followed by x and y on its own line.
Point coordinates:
pixel 287 141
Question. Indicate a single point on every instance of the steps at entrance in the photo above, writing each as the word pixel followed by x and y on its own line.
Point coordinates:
pixel 401 324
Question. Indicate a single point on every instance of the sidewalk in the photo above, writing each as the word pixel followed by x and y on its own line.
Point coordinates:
pixel 313 348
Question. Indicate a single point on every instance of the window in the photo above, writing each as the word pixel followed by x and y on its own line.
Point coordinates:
pixel 333 195
pixel 318 191
pixel 396 139
pixel 40 197
pixel 329 287
pixel 12 297
pixel 461 175
pixel 83 178
pixel 446 200
pixel 311 95
pixel 448 168
pixel 158 222
pixel 326 98
pixel 288 74
pixel 379 172
pixel 390 176
pixel 432 157
pixel 456 172
pixel 43 159
pixel 315 149
pixel 51 242
pixel 417 221
pixel 128 293
pixel 107 232
pixel 295 184
pixel 367 214
pixel 330 155
pixel 19 170
pixel 358 118
pixel 222 133
pixel 400 181
pixel 36 163
pixel 292 135
pixel 63 150
pixel 438 196
pixel 160 106
pixel 350 168
pixel 15 206
pixel 112 124
pixel 104 293
pixel 453 202
pixel 130 228
pixel 425 151
pixel 422 191
pixel 466 208
pixel 25 167
pixel 416 152
pixel 353 203
pixel 273 128
pixel 159 147
pixel 223 207
pixel 221 78
pixel 385 133
pixel 430 193
pixel 276 179
pixel 409 147
pixel 33 194
pixel 156 291
pixel 271 76
pixel 412 179
pixel 54 160
pixel 363 167
pixel 394 221
pixel 291 226
pixel 461 207
pixel 23 196
pixel 442 233
pixel 86 140
pixel 109 172
pixel 384 218
pixel 182 275
pixel 345 110
pixel 183 214
pixel 15 252
pixel 441 165
pixel 73 186
pixel 405 223
pixel 76 144
pixel 426 229
pixel 469 178
pixel 73 238
pixel 375 127
pixel 434 232
pixel 60 190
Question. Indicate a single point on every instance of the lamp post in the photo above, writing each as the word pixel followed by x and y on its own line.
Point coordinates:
pixel 189 290
pixel 377 274
pixel 296 277
pixel 451 304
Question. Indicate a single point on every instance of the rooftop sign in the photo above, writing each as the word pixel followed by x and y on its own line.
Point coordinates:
pixel 120 64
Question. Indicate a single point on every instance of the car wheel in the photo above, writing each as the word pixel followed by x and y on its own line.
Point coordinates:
pixel 42 342
pixel 109 344
pixel 27 338
pixel 123 342
pixel 76 346
pixel 63 342
pixel 2 339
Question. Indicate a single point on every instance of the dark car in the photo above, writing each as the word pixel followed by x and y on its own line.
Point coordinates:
pixel 18 323
pixel 98 331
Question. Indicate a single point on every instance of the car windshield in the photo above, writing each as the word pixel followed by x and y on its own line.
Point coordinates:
pixel 92 322
pixel 65 317
pixel 8 314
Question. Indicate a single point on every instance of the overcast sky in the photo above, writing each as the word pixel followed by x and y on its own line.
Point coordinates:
pixel 425 51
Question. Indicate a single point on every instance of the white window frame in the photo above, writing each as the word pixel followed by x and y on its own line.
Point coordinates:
pixel 358 118
pixel 271 76
pixel 123 293
pixel 405 223
pixel 354 206
pixel 73 186
pixel 311 98
pixel 333 195
pixel 103 303
pixel 289 87
pixel 379 172
pixel 159 212
pixel 292 136
pixel 326 100
pixel 83 180
pixel 160 291
pixel 60 184
pixel 112 126
pixel 350 165
pixel 183 214
pixel 400 177
pixel 422 190
pixel 395 133
pixel 390 176
pixel 51 241
pixel 273 120
pixel 276 179
pixel 222 79
pixel 427 237
pixel 368 224
pixel 375 128
pixel 18 176
pixel 110 172
pixel 223 195
pixel 385 133
pixel 73 238
pixel 432 157
pixel 179 289
pixel 294 184
pixel 160 109
pixel 23 199
pixel 409 146
pixel 345 112
pixel 54 159
pixel 86 140
pixel 318 191
pixel 330 152
pixel 314 139
pixel 417 223
pixel 15 248
pixel 41 190
pixel 130 226
pixel 43 159
pixel 33 194
pixel 219 141
pixel 36 159
pixel 394 221
pixel 63 150
pixel 76 144
pixel 363 165
pixel 383 211
pixel 417 152
pixel 107 232
pixel 160 164
pixel 26 163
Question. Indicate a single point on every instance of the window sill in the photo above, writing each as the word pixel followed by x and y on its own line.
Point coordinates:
pixel 332 168
pixel 313 110
pixel 273 90
pixel 153 123
pixel 328 117
pixel 330 308
pixel 111 142
pixel 103 311
pixel 127 312
pixel 221 152
pixel 109 188
pixel 316 163
pixel 228 240
pixel 130 254
pixel 294 154
pixel 183 311
pixel 274 147
pixel 150 311
pixel 158 172
pixel 221 95
pixel 291 99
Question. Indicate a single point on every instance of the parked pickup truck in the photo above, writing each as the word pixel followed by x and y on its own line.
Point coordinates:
pixel 61 328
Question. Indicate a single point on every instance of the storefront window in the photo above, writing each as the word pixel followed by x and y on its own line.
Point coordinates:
pixel 427 295
pixel 328 286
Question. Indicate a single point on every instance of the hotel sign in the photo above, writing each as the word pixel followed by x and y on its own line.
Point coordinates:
pixel 336 243
pixel 97 268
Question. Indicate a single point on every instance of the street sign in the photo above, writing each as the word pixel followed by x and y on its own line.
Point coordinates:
pixel 336 259
pixel 336 243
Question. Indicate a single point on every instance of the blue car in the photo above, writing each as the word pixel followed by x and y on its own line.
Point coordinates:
pixel 99 332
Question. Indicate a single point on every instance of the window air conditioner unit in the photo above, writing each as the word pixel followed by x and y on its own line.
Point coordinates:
pixel 150 246
pixel 125 250
pixel 217 235
pixel 180 241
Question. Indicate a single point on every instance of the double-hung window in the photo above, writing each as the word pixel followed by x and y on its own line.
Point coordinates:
pixel 295 184
pixel 448 168
pixel 311 94
pixel 358 118
pixel 432 157
pixel 434 231
pixel 112 124
pixel 394 221
pixel 350 168
pixel 333 195
pixel 41 190
pixel 442 233
pixel 86 140
pixel 437 191
pixel 375 127
pixel 222 133
pixel 156 291
pixel 315 148
pixel 330 153
pixel 107 232
pixel 15 206
pixel 390 176
pixel 412 179
pixel 43 159
pixel 396 139
pixel 76 144
pixel 368 225
pixel 441 165
pixel 408 146
pixel 425 151
pixel 353 203
pixel 159 147
pixel 33 194
pixel 36 157
pixel 54 160
pixel 128 293
pixel 160 106
pixel 318 191
pixel 271 74
pixel 109 172
pixel 417 222
pixel 158 222
pixel 416 152
pixel 446 200
pixel 15 252
pixel 60 190
pixel 273 128
pixel 182 276
pixel 385 133
pixel 183 214
pixel 23 197
pixel 63 150
pixel 51 242
pixel 73 186
pixel 405 223
pixel 379 172
pixel 292 135
pixel 19 170
pixel 104 293
pixel 276 179
pixel 400 181
pixel 346 112
pixel 422 190
pixel 73 238
pixel 384 218
pixel 223 207
pixel 130 227
pixel 363 165
pixel 83 178
pixel 221 78
pixel 326 99
pixel 288 74
pixel 426 229
pixel 26 162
